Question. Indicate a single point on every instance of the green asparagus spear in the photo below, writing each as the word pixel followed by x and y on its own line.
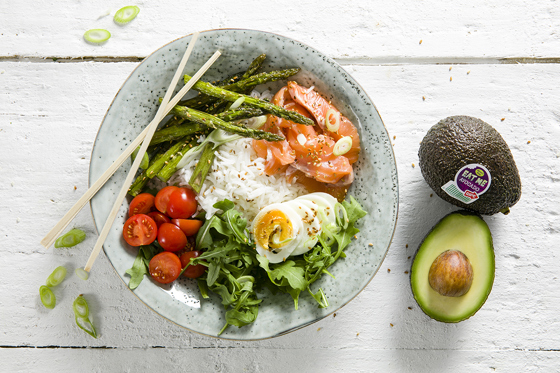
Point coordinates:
pixel 202 167
pixel 211 90
pixel 202 101
pixel 255 65
pixel 159 162
pixel 239 113
pixel 170 166
pixel 175 132
pixel 261 78
pixel 212 121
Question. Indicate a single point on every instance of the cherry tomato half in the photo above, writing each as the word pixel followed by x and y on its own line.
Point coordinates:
pixel 140 230
pixel 194 271
pixel 171 237
pixel 189 227
pixel 141 204
pixel 165 267
pixel 182 204
pixel 159 218
pixel 162 198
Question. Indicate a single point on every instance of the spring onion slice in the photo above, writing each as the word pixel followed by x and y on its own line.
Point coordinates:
pixel 145 159
pixel 56 277
pixel 97 35
pixel 86 326
pixel 237 103
pixel 70 238
pixel 333 127
pixel 81 273
pixel 341 215
pixel 81 311
pixel 47 297
pixel 80 307
pixel 256 122
pixel 126 14
pixel 342 146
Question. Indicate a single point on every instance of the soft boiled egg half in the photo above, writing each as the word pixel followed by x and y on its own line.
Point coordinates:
pixel 292 228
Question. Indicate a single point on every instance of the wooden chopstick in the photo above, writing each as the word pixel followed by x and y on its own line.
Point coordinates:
pixel 132 173
pixel 49 239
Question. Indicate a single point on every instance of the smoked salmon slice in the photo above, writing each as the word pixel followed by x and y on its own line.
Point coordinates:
pixel 318 107
pixel 307 150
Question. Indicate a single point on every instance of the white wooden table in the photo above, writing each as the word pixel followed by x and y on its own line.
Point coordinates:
pixel 419 61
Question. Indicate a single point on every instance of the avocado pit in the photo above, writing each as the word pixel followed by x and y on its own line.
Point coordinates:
pixel 451 274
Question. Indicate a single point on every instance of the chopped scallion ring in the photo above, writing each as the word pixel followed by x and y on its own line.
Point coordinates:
pixel 81 311
pixel 56 277
pixel 70 238
pixel 81 273
pixel 80 307
pixel 237 103
pixel 342 146
pixel 335 125
pixel 97 35
pixel 257 122
pixel 86 326
pixel 341 215
pixel 47 297
pixel 126 14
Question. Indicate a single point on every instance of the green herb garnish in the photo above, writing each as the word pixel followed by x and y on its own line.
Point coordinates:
pixel 47 297
pixel 56 277
pixel 70 238
pixel 81 313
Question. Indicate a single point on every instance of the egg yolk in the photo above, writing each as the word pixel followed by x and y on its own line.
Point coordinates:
pixel 273 230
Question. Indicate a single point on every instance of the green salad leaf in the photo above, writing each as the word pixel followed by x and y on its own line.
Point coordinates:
pixel 296 275
pixel 141 265
pixel 230 257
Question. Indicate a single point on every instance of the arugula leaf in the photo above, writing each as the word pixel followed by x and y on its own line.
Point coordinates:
pixel 224 205
pixel 235 270
pixel 213 272
pixel 141 265
pixel 204 236
pixel 290 274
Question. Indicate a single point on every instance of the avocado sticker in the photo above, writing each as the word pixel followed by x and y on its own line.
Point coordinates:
pixel 470 182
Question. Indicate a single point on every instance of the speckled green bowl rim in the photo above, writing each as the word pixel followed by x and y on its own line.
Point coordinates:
pixel 396 191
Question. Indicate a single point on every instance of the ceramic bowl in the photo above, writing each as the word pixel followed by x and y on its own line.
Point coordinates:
pixel 375 185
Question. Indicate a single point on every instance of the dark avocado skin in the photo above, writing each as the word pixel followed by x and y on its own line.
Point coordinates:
pixel 461 140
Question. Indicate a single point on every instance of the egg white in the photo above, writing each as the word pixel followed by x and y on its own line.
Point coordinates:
pixel 297 233
pixel 311 227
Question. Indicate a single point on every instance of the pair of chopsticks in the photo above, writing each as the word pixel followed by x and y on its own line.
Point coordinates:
pixel 144 138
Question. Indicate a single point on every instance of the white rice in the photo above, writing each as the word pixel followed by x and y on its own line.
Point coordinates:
pixel 238 175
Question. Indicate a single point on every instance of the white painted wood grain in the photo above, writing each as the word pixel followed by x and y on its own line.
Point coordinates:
pixel 377 30
pixel 49 117
pixel 227 360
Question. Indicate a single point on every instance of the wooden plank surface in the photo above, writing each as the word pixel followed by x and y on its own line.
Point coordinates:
pixel 371 31
pixel 46 135
pixel 50 113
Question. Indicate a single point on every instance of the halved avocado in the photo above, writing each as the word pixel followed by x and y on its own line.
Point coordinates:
pixel 467 233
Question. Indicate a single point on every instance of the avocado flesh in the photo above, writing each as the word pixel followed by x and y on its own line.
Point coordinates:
pixel 465 232
pixel 457 141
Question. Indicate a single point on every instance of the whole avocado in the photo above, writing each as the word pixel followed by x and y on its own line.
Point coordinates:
pixel 462 140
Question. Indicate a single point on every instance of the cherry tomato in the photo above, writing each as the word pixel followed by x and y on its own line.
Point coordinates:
pixel 182 204
pixel 141 204
pixel 140 230
pixel 162 198
pixel 159 218
pixel 165 267
pixel 189 227
pixel 194 271
pixel 171 237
